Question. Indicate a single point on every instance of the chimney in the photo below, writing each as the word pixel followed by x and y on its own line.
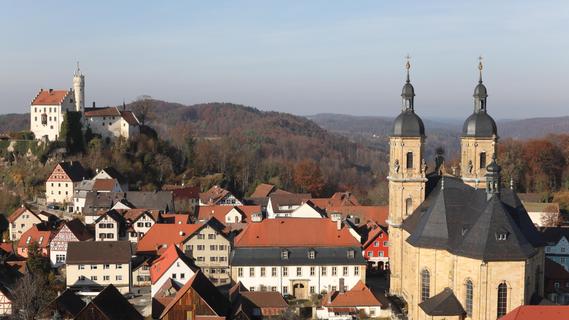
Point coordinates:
pixel 50 90
pixel 339 225
pixel 341 285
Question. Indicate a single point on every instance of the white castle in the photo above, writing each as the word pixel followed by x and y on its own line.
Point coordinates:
pixel 48 109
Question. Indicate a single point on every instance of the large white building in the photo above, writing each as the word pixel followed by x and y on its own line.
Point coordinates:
pixel 49 107
pixel 111 123
pixel 321 256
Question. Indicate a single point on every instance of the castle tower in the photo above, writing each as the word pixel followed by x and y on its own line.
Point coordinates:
pixel 479 139
pixel 79 89
pixel 406 177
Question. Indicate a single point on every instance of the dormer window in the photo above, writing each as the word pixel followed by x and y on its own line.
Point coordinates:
pixel 311 254
pixel 502 236
pixel 29 239
pixel 284 254
pixel 351 254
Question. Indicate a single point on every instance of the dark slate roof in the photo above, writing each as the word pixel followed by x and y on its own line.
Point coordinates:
pixel 68 304
pixel 271 256
pixel 74 170
pixel 98 252
pixel 112 304
pixel 408 124
pixel 443 304
pixel 158 200
pixel 115 174
pixel 461 220
pixel 79 229
pixel 552 235
pixel 479 124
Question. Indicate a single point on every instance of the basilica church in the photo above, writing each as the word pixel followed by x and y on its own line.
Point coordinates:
pixel 462 245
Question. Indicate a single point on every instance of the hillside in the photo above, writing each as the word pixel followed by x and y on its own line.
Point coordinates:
pixel 14 122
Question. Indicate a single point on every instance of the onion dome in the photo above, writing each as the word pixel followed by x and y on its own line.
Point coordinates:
pixel 480 123
pixel 408 123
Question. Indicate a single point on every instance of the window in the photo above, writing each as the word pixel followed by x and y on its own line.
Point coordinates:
pixel 356 271
pixel 106 266
pixel 548 249
pixel 93 266
pixel 351 254
pixel 118 278
pixel 211 236
pixel 370 254
pixel 298 271
pixel 118 266
pixel 469 292
pixel 173 276
pixel 376 244
pixel 562 249
pixel 381 253
pixel 312 290
pixel 556 285
pixel 273 289
pixel 213 259
pixel 200 247
pixel 312 271
pixel 482 160
pixel 252 289
pixel 284 254
pixel 285 271
pixel 409 160
pixel 502 299
pixel 93 278
pixel 221 247
pixel 201 236
pixel 334 271
pixel 213 247
pixel 263 272
pixel 273 272
pixel 386 243
pixel 408 206
pixel 311 254
pixel 324 269
pixel 106 278
pixel 240 272
pixel 425 285
pixel 285 290
pixel 59 258
pixel 81 267
pixel 251 272
pixel 345 271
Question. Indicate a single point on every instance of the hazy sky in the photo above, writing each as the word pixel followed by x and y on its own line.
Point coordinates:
pixel 302 57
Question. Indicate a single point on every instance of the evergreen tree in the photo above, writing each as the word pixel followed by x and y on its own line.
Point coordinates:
pixel 71 132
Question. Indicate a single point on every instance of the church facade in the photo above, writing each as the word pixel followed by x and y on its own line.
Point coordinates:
pixel 462 247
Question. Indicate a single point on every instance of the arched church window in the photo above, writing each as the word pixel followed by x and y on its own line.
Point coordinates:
pixel 502 299
pixel 409 160
pixel 425 285
pixel 482 160
pixel 408 206
pixel 468 299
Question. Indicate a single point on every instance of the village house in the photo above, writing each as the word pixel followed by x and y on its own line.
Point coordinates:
pixel 22 219
pixel 67 306
pixel 112 123
pixel 110 226
pixel 321 256
pixel 6 301
pixel 228 214
pixel 249 305
pixel 557 245
pixel 164 235
pixel 141 271
pixel 93 265
pixel 358 302
pixel 376 246
pixel 173 265
pixel 110 173
pixel 96 202
pixel 556 284
pixel 62 182
pixel 68 231
pixel 286 205
pixel 197 299
pixel 543 214
pixel 218 196
pixel 40 234
pixel 139 221
pixel 338 199
pixel 210 248
pixel 109 304
pixel 186 198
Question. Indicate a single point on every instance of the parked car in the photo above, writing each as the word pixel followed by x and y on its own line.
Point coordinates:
pixel 53 206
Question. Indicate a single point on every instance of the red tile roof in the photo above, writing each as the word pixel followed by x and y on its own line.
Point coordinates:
pixel 213 195
pixel 162 235
pixel 359 296
pixel 39 234
pixel 175 218
pixel 295 232
pixel 337 200
pixel 374 232
pixel 102 112
pixel 219 212
pixel 377 214
pixel 7 247
pixel 50 97
pixel 538 312
pixel 135 214
pixel 182 192
pixel 263 190
pixel 18 212
pixel 130 118
pixel 104 185
pixel 165 261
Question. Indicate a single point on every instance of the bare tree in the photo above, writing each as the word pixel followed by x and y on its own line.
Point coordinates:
pixel 142 108
pixel 31 295
pixel 551 219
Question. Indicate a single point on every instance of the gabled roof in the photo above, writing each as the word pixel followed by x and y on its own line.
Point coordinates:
pixel 160 200
pixel 162 235
pixel 359 296
pixel 263 190
pixel 68 304
pixel 38 233
pixel 165 261
pixel 462 220
pixel 112 304
pixel 99 252
pixel 308 232
pixel 444 303
pixel 206 291
pixel 338 199
pixel 176 218
pixel 103 185
pixel 373 233
pixel 214 195
pixel 552 235
pixel 130 118
pixel 78 229
pixel 182 192
pixel 133 215
pixel 288 200
pixel 74 170
pixel 219 212
pixel 113 214
pixel 376 214
pixel 102 112
pixel 538 312
pixel 113 173
pixel 42 215
pixel 50 97
pixel 164 296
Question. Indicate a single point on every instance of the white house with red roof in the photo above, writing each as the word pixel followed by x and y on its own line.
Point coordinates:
pixel 22 219
pixel 41 234
pixel 112 123
pixel 297 256
pixel 358 302
pixel 48 108
pixel 173 265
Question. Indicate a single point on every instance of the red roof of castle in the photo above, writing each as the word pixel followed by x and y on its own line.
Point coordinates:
pixel 50 97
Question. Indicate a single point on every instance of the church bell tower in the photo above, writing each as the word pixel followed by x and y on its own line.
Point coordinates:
pixel 407 177
pixel 479 139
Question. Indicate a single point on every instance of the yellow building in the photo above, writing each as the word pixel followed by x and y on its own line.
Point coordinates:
pixel 462 247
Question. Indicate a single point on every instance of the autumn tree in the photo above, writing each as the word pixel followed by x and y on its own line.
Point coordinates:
pixel 308 177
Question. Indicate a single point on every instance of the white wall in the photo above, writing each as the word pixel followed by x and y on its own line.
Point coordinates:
pixel 59 191
pixel 22 224
pixel 178 269
pixel 54 118
pixel 118 275
pixel 111 227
